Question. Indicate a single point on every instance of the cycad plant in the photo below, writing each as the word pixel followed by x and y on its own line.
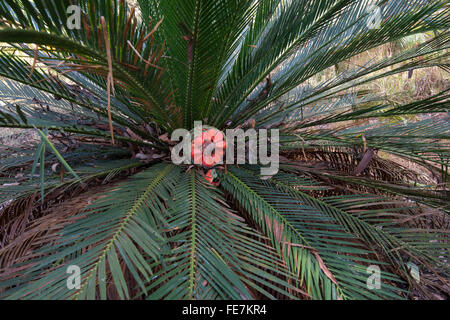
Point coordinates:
pixel 104 91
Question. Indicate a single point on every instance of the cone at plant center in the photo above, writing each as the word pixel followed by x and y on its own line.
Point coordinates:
pixel 200 143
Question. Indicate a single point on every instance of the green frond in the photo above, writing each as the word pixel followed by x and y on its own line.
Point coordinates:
pixel 214 252
pixel 126 223
pixel 302 232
